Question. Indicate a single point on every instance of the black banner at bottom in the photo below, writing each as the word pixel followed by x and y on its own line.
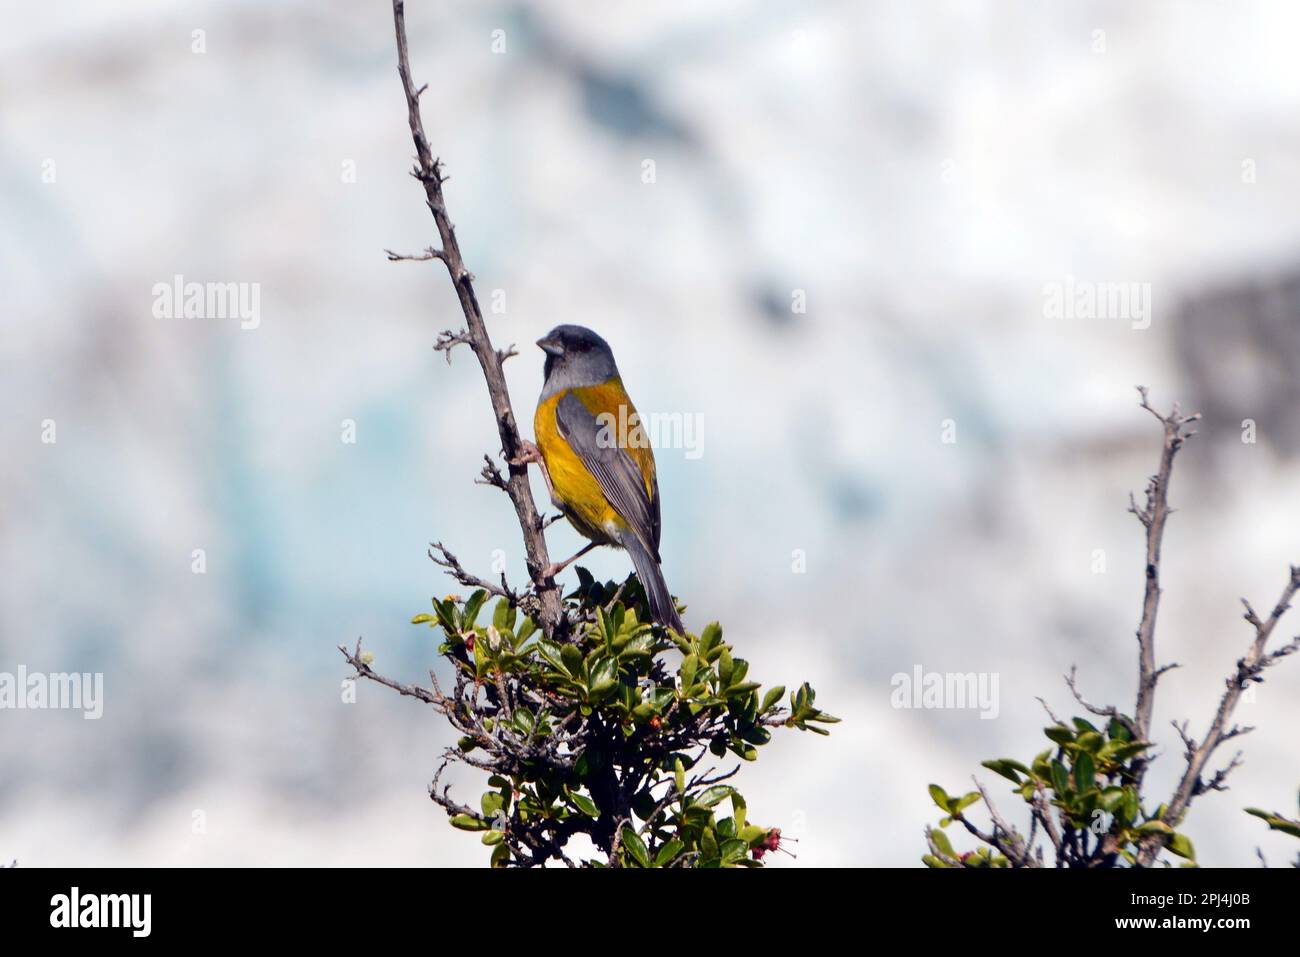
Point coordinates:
pixel 335 906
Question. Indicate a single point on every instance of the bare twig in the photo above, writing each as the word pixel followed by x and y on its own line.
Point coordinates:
pixel 458 572
pixel 1004 838
pixel 1101 711
pixel 428 254
pixel 1048 708
pixel 428 171
pixel 448 340
pixel 1248 670
pixel 364 670
pixel 1153 518
pixel 491 475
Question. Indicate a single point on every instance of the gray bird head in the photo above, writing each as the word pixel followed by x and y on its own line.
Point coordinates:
pixel 575 356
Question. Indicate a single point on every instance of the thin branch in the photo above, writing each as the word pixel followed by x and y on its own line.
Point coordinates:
pixel 1106 711
pixel 428 254
pixel 458 572
pixel 1043 811
pixel 448 340
pixel 491 475
pixel 939 854
pixel 364 670
pixel 1153 518
pixel 1011 844
pixel 428 172
pixel 1198 756
pixel 1048 708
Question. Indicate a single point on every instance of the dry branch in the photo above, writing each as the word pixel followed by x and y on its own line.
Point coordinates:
pixel 428 171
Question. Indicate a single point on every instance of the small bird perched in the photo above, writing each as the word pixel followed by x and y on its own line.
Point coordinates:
pixel 596 459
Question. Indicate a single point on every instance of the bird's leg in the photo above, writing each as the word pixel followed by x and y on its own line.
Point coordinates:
pixel 550 571
pixel 528 452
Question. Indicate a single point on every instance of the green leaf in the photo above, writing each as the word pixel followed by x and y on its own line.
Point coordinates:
pixel 1003 768
pixel 708 843
pixel 503 618
pixel 1111 799
pixel 467 822
pixel 1091 741
pixel 604 676
pixel 493 837
pixel 469 615
pixel 738 808
pixel 421 619
pixel 584 804
pixel 1060 778
pixel 690 666
pixel 1126 751
pixel 1129 807
pixel 771 698
pixel 668 853
pixel 571 657
pixel 711 797
pixel 526 628
pixel 633 845
pixel 940 797
pixel 1060 734
pixel 725 668
pixel 446 615
pixel 941 842
pixel 552 653
pixel 733 851
pixel 1155 827
pixel 1181 845
pixel 1085 771
pixel 756 734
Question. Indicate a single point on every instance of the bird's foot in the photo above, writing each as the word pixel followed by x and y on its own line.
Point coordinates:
pixel 528 452
pixel 553 569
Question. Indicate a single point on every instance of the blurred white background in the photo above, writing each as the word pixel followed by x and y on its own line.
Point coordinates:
pixel 920 171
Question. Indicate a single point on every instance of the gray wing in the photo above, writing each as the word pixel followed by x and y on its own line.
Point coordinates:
pixel 614 469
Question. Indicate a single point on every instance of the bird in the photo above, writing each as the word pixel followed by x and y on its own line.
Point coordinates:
pixel 597 460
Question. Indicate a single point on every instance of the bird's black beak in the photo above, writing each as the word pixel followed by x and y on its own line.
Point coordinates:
pixel 550 347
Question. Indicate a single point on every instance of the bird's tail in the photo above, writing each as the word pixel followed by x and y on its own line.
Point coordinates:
pixel 662 608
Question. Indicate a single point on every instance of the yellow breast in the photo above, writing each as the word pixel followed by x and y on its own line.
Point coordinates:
pixel 576 490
